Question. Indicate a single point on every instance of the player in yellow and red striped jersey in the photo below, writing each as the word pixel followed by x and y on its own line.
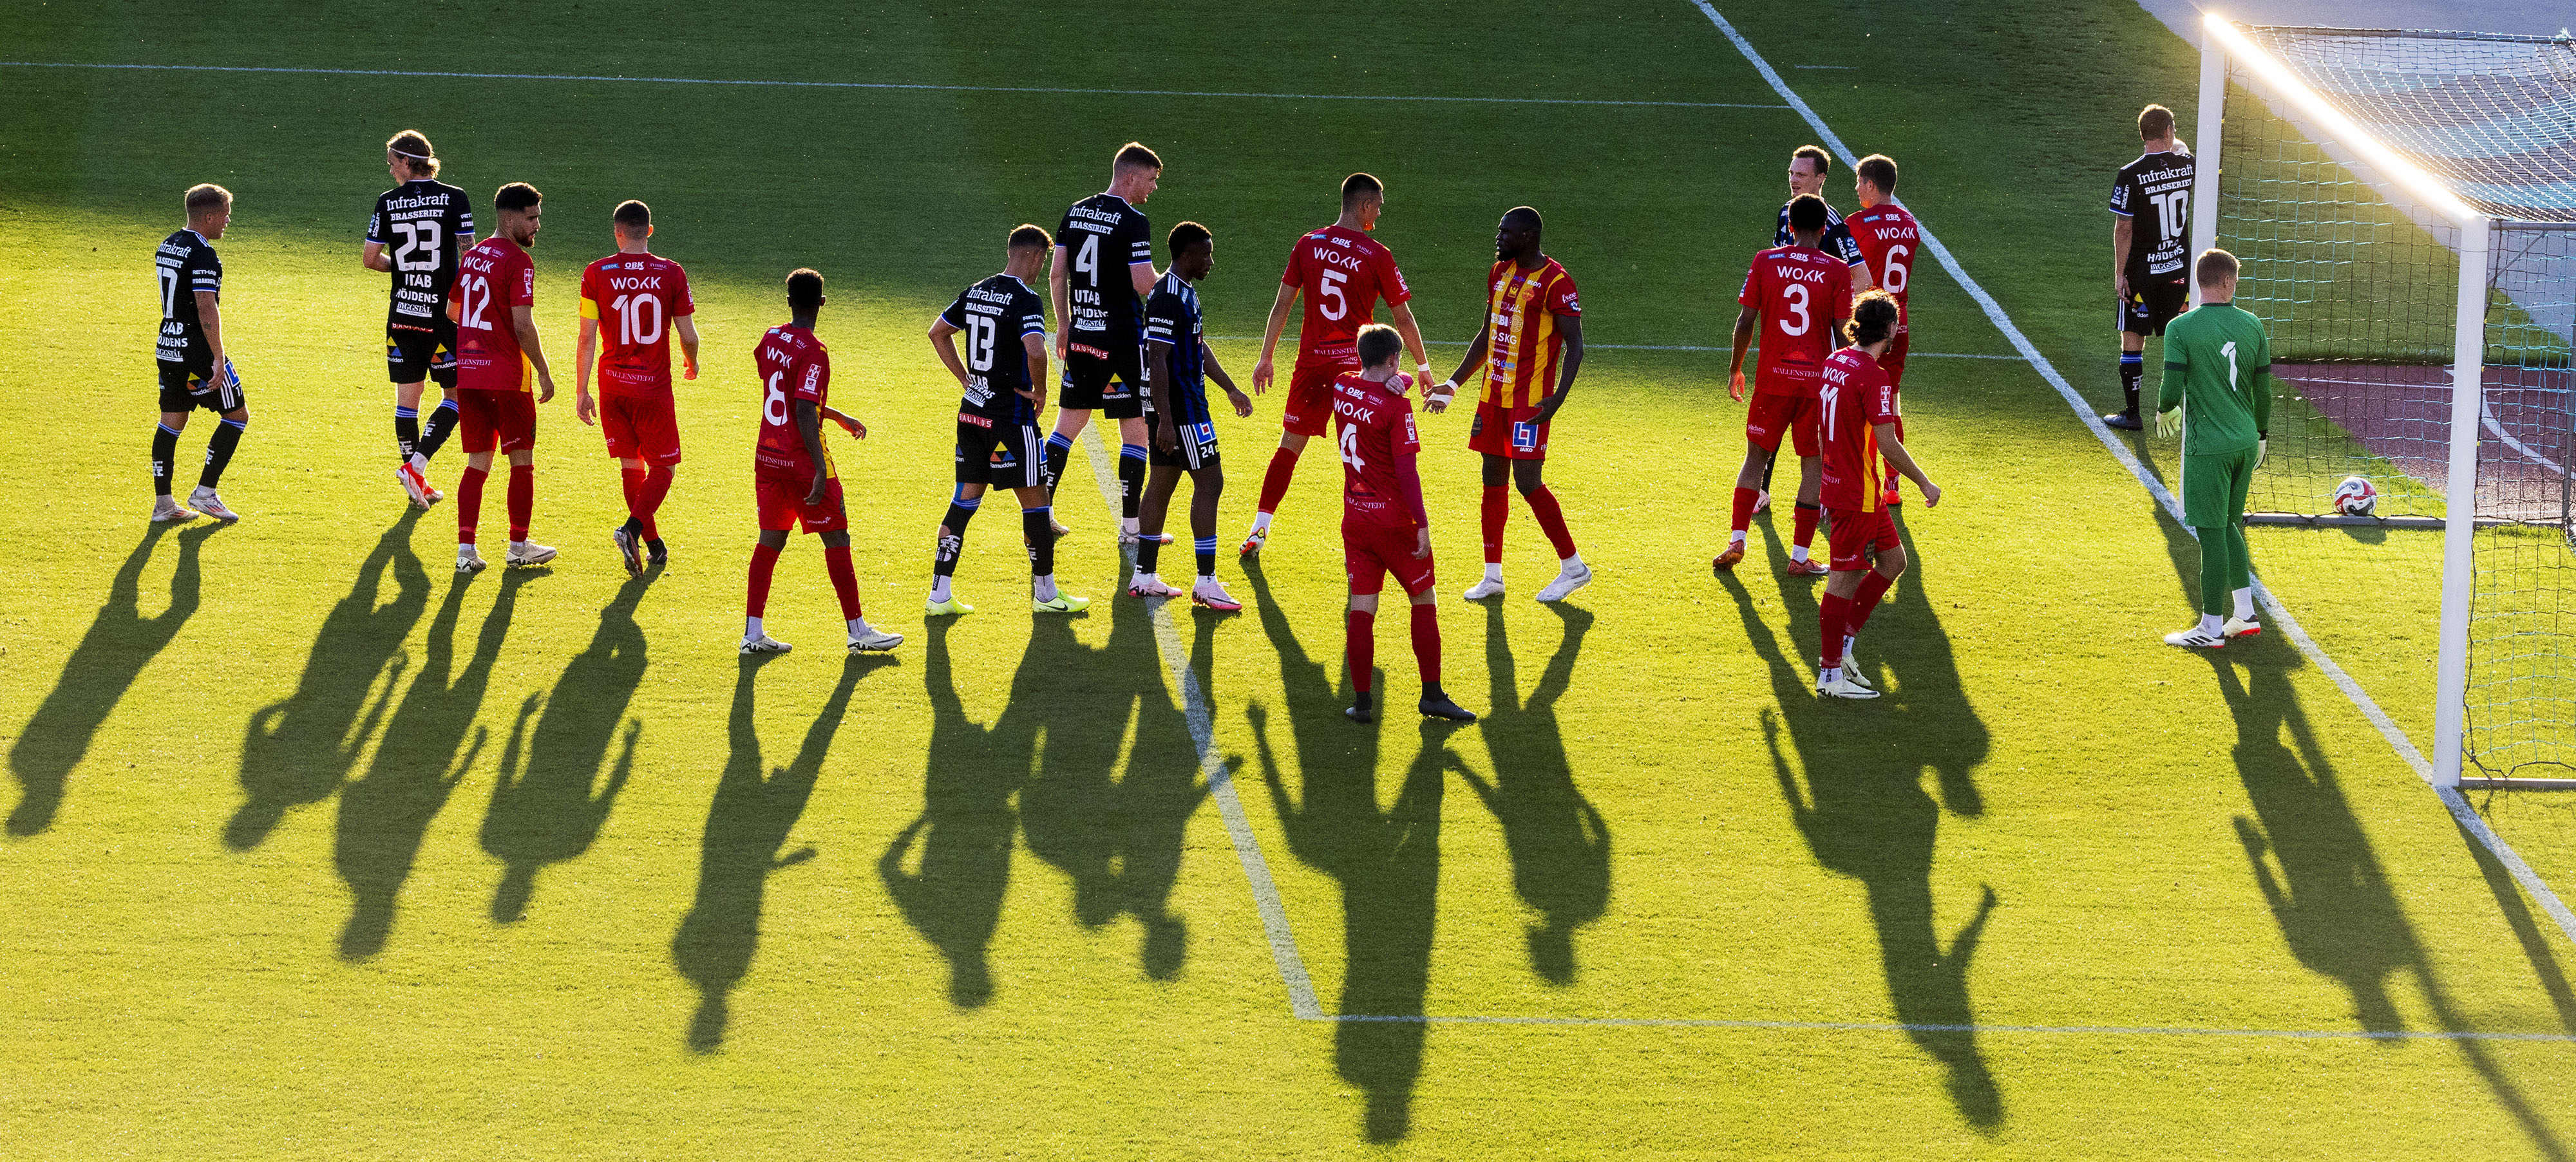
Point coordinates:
pixel 1856 425
pixel 1531 347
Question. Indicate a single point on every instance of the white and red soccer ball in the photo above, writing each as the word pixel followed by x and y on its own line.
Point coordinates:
pixel 2356 497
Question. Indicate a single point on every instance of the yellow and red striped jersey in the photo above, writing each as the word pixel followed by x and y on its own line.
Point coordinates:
pixel 1521 306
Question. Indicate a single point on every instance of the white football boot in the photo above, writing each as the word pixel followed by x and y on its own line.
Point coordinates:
pixel 468 561
pixel 1150 585
pixel 166 510
pixel 874 641
pixel 414 485
pixel 526 553
pixel 764 644
pixel 1211 594
pixel 2238 627
pixel 2197 638
pixel 1843 687
pixel 204 500
pixel 1574 575
pixel 1483 588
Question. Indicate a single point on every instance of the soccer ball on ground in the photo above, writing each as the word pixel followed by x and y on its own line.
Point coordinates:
pixel 2356 497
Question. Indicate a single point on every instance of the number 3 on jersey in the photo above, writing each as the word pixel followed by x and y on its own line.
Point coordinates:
pixel 1796 294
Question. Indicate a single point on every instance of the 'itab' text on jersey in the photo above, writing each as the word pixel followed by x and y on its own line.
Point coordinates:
pixel 2154 193
pixel 1173 322
pixel 1103 237
pixel 185 264
pixel 1799 293
pixel 2218 366
pixel 1853 399
pixel 1837 238
pixel 793 365
pixel 1521 308
pixel 1341 273
pixel 996 316
pixel 635 297
pixel 1381 488
pixel 492 279
pixel 1889 240
pixel 424 226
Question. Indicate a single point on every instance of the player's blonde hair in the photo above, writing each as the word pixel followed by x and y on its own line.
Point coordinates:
pixel 206 196
pixel 413 147
pixel 2216 266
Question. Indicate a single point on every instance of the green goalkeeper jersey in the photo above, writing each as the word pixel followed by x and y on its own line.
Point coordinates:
pixel 2218 365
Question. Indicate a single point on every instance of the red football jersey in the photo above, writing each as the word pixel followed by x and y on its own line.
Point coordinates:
pixel 1853 399
pixel 1380 486
pixel 1888 241
pixel 491 278
pixel 1342 274
pixel 635 297
pixel 1799 292
pixel 793 365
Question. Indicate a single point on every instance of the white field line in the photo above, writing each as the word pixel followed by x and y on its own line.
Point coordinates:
pixel 1892 1027
pixel 2388 728
pixel 2486 413
pixel 887 85
pixel 1643 347
pixel 1194 707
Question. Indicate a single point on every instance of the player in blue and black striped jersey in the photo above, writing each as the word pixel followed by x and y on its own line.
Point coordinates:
pixel 195 370
pixel 1104 264
pixel 1000 378
pixel 1178 364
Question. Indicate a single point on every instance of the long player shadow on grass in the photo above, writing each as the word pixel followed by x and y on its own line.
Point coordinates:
pixel 386 813
pixel 2313 863
pixel 297 751
pixel 550 799
pixel 754 810
pixel 106 664
pixel 1386 860
pixel 1864 811
pixel 1559 845
pixel 960 845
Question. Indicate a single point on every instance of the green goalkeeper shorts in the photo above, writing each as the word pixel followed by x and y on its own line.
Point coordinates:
pixel 2214 486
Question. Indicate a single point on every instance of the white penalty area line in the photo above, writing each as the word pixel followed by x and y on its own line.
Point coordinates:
pixel 2388 728
pixel 882 85
pixel 1220 781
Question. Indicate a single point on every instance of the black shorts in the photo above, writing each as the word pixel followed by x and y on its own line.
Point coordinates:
pixel 413 354
pixel 1197 449
pixel 191 385
pixel 2151 305
pixel 1005 455
pixel 1109 385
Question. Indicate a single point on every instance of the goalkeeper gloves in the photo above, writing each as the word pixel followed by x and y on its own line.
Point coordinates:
pixel 2262 448
pixel 2169 422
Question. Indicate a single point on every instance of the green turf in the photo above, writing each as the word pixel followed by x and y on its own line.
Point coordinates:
pixel 321 853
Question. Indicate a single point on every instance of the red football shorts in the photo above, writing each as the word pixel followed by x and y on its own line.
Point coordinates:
pixel 1370 552
pixel 502 420
pixel 1892 360
pixel 1511 433
pixel 1773 415
pixel 781 492
pixel 1855 533
pixel 1310 397
pixel 640 427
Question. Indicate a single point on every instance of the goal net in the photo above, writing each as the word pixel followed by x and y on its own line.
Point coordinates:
pixel 2404 206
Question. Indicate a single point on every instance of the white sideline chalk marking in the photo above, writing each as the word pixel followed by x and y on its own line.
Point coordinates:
pixel 891 85
pixel 1194 707
pixel 2486 413
pixel 2388 728
pixel 1891 1027
pixel 1644 347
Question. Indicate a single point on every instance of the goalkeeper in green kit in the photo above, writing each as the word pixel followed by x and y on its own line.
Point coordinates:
pixel 2218 395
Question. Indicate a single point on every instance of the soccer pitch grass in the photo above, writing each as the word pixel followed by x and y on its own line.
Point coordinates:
pixel 320 852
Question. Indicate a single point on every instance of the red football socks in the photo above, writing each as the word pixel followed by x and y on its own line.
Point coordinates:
pixel 469 502
pixel 1426 642
pixel 1744 498
pixel 1835 612
pixel 656 489
pixel 1497 511
pixel 764 561
pixel 1804 525
pixel 1872 587
pixel 1551 520
pixel 1274 483
pixel 1360 647
pixel 523 499
pixel 631 481
pixel 845 580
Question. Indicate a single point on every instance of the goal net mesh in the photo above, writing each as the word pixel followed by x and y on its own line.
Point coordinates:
pixel 2359 284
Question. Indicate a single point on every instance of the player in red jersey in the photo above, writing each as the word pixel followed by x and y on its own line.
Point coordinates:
pixel 1342 273
pixel 1856 425
pixel 1534 334
pixel 1889 241
pixel 1384 527
pixel 493 304
pixel 631 301
pixel 1801 295
pixel 792 474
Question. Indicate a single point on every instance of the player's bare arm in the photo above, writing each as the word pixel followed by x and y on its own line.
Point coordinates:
pixel 943 339
pixel 1242 403
pixel 210 319
pixel 849 423
pixel 1894 449
pixel 523 321
pixel 1266 369
pixel 1035 393
pixel 1401 316
pixel 1158 372
pixel 809 428
pixel 372 256
pixel 1060 290
pixel 1475 360
pixel 1745 319
pixel 2121 233
pixel 1571 326
pixel 1144 276
pixel 687 326
pixel 584 350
